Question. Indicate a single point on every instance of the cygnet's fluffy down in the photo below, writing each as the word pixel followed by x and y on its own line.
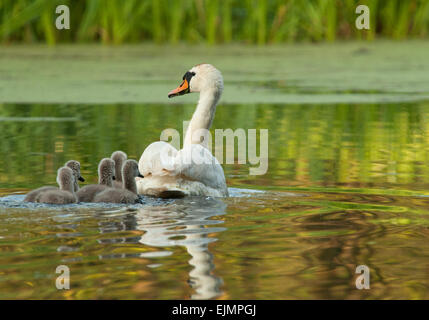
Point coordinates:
pixel 72 164
pixel 106 170
pixel 65 194
pixel 119 157
pixel 128 194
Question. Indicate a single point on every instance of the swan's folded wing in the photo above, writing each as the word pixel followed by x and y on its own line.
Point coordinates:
pixel 158 159
pixel 195 162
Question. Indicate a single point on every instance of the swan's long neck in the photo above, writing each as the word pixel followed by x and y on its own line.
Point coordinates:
pixel 202 117
pixel 118 168
pixel 105 179
pixel 75 185
pixel 67 184
pixel 128 180
pixel 129 183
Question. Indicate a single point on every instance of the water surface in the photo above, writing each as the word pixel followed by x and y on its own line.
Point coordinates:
pixel 347 182
pixel 346 185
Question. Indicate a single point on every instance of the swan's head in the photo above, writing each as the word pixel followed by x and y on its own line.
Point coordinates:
pixel 65 178
pixel 202 77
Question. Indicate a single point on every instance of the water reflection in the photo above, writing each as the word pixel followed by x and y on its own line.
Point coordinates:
pixel 362 169
pixel 277 245
pixel 345 145
pixel 187 223
pixel 184 223
pixel 167 224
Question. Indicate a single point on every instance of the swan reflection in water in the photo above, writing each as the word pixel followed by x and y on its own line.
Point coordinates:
pixel 184 222
pixel 187 218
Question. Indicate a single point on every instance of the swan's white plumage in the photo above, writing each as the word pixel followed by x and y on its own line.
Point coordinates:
pixel 151 162
pixel 192 170
pixel 199 174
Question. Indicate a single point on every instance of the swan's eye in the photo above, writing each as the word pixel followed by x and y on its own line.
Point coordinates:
pixel 188 75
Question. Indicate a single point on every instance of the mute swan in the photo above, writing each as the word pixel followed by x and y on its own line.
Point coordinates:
pixel 65 194
pixel 119 157
pixel 106 169
pixel 192 170
pixel 128 194
pixel 72 164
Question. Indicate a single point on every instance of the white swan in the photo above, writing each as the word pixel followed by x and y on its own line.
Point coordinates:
pixel 192 170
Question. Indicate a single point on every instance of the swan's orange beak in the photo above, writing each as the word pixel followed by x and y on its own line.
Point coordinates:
pixel 180 90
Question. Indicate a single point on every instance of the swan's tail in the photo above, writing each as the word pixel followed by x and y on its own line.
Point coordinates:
pixel 171 187
pixel 158 187
pixel 164 193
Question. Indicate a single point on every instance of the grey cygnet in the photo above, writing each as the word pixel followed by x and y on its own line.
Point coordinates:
pixel 130 170
pixel 65 194
pixel 106 176
pixel 119 157
pixel 72 164
pixel 75 166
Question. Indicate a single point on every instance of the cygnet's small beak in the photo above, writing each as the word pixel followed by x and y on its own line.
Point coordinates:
pixel 180 90
pixel 140 175
pixel 113 178
pixel 81 179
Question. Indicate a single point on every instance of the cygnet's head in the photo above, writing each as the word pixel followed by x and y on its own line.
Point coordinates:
pixel 106 171
pixel 131 169
pixel 75 166
pixel 202 77
pixel 65 178
pixel 119 157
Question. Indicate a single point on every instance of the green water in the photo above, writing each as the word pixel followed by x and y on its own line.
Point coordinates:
pixel 347 72
pixel 345 187
pixel 347 182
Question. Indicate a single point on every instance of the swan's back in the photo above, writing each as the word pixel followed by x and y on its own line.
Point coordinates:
pixel 117 185
pixel 169 173
pixel 56 197
pixel 32 195
pixel 65 194
pixel 158 159
pixel 106 169
pixel 129 193
pixel 88 193
pixel 113 195
pixel 72 164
